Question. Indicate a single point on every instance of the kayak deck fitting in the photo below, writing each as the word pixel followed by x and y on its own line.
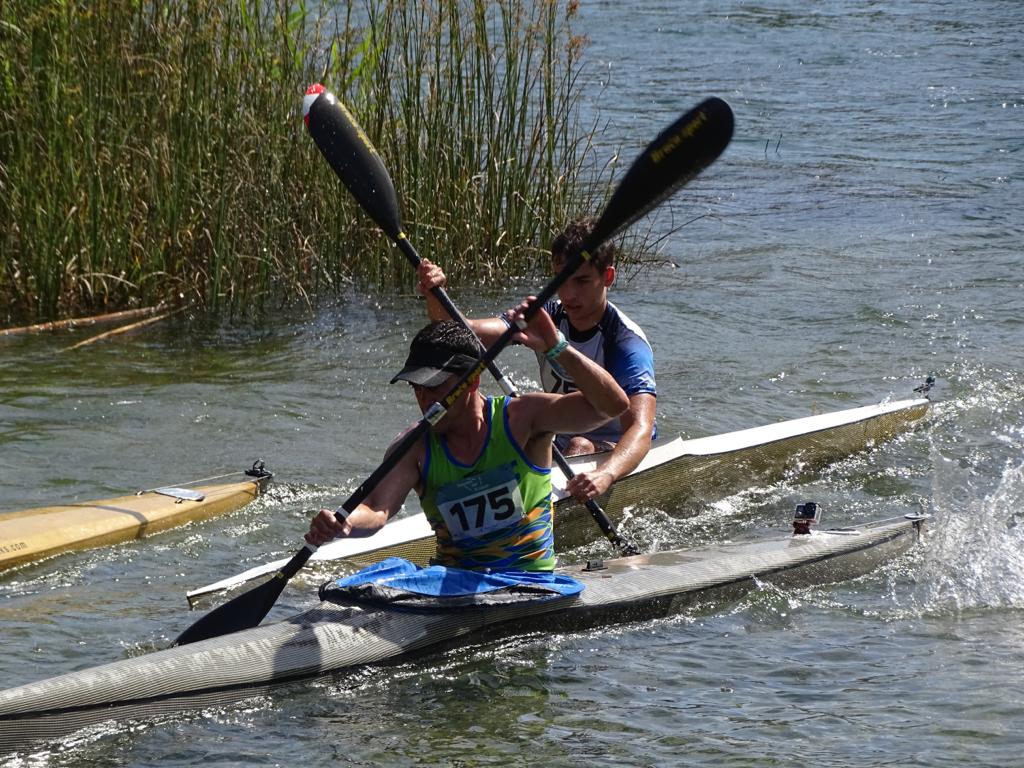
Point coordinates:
pixel 332 637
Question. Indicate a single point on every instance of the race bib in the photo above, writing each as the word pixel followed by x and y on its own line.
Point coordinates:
pixel 478 505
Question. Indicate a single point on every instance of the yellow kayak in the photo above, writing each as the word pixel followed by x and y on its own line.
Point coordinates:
pixel 33 534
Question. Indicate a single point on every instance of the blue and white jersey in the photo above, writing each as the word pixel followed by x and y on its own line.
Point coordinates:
pixel 618 345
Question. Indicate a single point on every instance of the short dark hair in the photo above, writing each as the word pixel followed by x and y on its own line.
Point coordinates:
pixel 572 237
pixel 448 336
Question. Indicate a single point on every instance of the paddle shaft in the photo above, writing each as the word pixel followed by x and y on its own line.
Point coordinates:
pixel 622 545
pixel 678 154
pixel 437 411
pixel 407 248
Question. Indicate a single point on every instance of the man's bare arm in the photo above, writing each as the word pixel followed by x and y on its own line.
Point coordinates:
pixel 382 503
pixel 430 276
pixel 633 446
pixel 597 400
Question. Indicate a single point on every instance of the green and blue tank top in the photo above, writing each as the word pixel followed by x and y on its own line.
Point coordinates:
pixel 495 513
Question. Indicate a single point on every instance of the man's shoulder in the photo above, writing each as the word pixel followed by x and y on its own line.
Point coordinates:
pixel 521 412
pixel 622 328
pixel 628 354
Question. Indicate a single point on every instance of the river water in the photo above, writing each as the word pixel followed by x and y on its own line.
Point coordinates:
pixel 861 232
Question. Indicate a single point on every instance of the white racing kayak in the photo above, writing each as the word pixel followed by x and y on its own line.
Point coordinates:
pixel 674 473
pixel 334 637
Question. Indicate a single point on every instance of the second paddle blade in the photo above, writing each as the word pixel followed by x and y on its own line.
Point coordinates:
pixel 243 612
pixel 680 152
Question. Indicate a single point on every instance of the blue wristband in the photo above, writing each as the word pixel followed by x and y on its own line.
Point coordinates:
pixel 558 348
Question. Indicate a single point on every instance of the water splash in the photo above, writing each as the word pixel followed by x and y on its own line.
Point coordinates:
pixel 975 553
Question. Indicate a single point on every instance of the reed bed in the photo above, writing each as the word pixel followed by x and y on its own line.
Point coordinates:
pixel 153 151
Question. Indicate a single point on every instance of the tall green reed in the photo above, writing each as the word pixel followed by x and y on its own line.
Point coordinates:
pixel 152 150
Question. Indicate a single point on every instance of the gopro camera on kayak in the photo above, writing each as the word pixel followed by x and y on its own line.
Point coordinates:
pixel 806 515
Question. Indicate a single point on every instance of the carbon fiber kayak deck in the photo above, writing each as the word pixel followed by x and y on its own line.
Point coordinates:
pixel 335 637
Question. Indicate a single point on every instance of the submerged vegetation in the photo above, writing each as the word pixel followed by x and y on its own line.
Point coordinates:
pixel 154 151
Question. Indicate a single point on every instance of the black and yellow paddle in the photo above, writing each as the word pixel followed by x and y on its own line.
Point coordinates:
pixel 677 155
pixel 357 163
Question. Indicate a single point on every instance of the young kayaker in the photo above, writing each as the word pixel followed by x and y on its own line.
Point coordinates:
pixel 600 331
pixel 483 471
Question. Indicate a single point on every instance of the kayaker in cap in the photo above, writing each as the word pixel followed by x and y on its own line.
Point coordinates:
pixel 483 471
pixel 600 331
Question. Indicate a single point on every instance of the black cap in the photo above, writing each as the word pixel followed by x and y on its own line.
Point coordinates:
pixel 430 366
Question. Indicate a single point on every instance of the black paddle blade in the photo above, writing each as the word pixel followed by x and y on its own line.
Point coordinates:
pixel 354 159
pixel 243 612
pixel 679 153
